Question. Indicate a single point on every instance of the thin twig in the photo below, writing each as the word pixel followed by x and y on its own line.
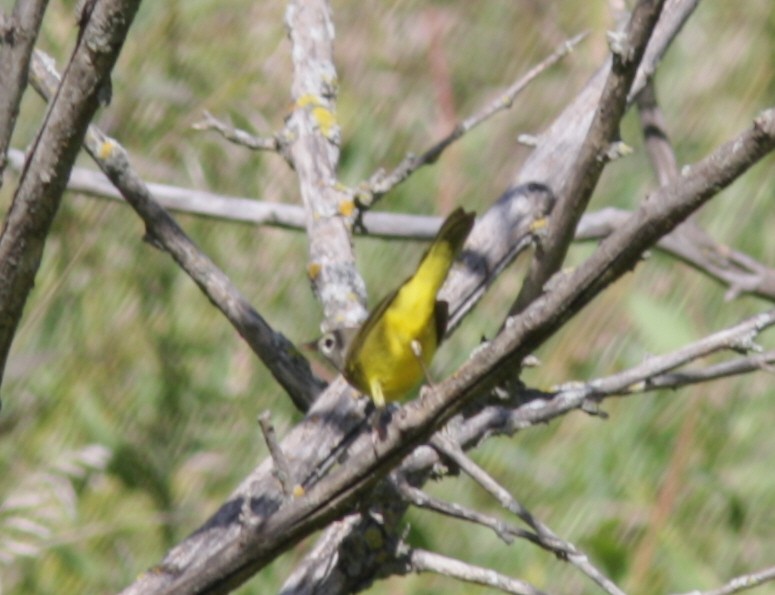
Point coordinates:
pixel 734 367
pixel 421 499
pixel 739 337
pixel 547 539
pixel 655 138
pixel 282 469
pixel 425 561
pixel 381 183
pixel 741 583
pixel 236 135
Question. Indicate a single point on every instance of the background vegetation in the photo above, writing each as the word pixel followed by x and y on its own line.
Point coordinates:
pixel 129 406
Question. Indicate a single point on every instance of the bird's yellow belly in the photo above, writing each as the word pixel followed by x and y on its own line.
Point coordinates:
pixel 399 370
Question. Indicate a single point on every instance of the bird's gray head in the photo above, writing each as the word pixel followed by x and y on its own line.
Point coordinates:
pixel 333 346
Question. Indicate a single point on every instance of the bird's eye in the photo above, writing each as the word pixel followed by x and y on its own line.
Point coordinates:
pixel 327 343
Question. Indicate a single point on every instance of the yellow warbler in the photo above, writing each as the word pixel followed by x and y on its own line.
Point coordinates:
pixel 390 353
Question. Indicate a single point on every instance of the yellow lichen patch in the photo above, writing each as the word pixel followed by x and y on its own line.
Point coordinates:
pixel 346 208
pixel 539 224
pixel 324 118
pixel 308 99
pixel 298 491
pixel 326 121
pixel 313 270
pixel 106 149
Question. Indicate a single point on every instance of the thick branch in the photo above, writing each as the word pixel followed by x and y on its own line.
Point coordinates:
pixel 51 157
pixel 573 196
pixel 741 273
pixel 314 152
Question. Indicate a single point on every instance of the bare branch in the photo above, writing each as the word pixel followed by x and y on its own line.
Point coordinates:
pixel 314 151
pixel 237 136
pixel 671 21
pixel 281 467
pixel 546 538
pixel 689 242
pixel 282 359
pixel 734 367
pixel 424 561
pixel 743 274
pixel 739 271
pixel 51 157
pixel 627 48
pixel 381 183
pixel 653 374
pixel 17 38
pixel 244 209
pixel 658 147
pixel 422 500
pixel 741 583
pixel 316 574
pixel 737 338
pixel 659 214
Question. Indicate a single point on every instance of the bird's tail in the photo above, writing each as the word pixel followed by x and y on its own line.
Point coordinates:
pixel 446 246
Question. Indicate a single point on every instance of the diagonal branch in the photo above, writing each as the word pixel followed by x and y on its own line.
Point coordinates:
pixel 688 242
pixel 280 356
pixel 545 537
pixel 17 38
pixel 741 583
pixel 51 158
pixel 627 48
pixel 738 338
pixel 381 183
pixel 419 560
pixel 451 509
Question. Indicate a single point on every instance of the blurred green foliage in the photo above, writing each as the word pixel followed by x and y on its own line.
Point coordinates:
pixel 129 403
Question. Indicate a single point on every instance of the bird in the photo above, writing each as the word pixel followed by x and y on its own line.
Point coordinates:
pixel 390 353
